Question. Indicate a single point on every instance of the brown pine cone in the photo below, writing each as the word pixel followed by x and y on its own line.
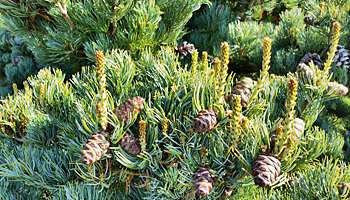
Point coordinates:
pixel 315 58
pixel 243 88
pixel 130 106
pixel 205 121
pixel 183 49
pixel 304 71
pixel 298 125
pixel 309 20
pixel 266 169
pixel 95 148
pixel 336 89
pixel 130 144
pixel 203 181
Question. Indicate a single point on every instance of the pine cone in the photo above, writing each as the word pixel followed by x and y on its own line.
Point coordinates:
pixel 205 121
pixel 342 187
pixel 16 60
pixel 304 70
pixel 243 88
pixel 336 89
pixel 309 20
pixel 315 58
pixel 130 144
pixel 203 181
pixel 298 126
pixel 183 49
pixel 130 106
pixel 341 57
pixel 266 169
pixel 95 148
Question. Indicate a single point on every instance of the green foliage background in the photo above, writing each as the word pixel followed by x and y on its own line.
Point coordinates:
pixel 44 126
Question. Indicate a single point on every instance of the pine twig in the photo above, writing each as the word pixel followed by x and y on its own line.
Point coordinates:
pixel 64 13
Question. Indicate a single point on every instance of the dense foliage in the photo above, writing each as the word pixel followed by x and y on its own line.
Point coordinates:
pixel 123 114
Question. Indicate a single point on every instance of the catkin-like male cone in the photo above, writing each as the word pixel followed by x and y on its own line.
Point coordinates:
pixel 131 106
pixel 101 106
pixel 142 136
pixel 266 169
pixel 203 181
pixel 95 148
pixel 205 121
pixel 298 126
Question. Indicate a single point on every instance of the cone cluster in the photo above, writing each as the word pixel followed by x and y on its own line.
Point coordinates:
pixel 205 121
pixel 130 144
pixel 95 148
pixel 131 107
pixel 266 169
pixel 203 181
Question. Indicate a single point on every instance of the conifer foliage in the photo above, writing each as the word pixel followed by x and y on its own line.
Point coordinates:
pixel 64 33
pixel 137 124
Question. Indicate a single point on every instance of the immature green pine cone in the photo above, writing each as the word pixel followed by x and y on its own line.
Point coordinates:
pixel 266 169
pixel 203 181
pixel 95 148
pixel 130 144
pixel 130 106
pixel 205 121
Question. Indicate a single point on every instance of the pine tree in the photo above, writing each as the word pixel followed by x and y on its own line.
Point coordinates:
pixel 66 34
pixel 147 127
